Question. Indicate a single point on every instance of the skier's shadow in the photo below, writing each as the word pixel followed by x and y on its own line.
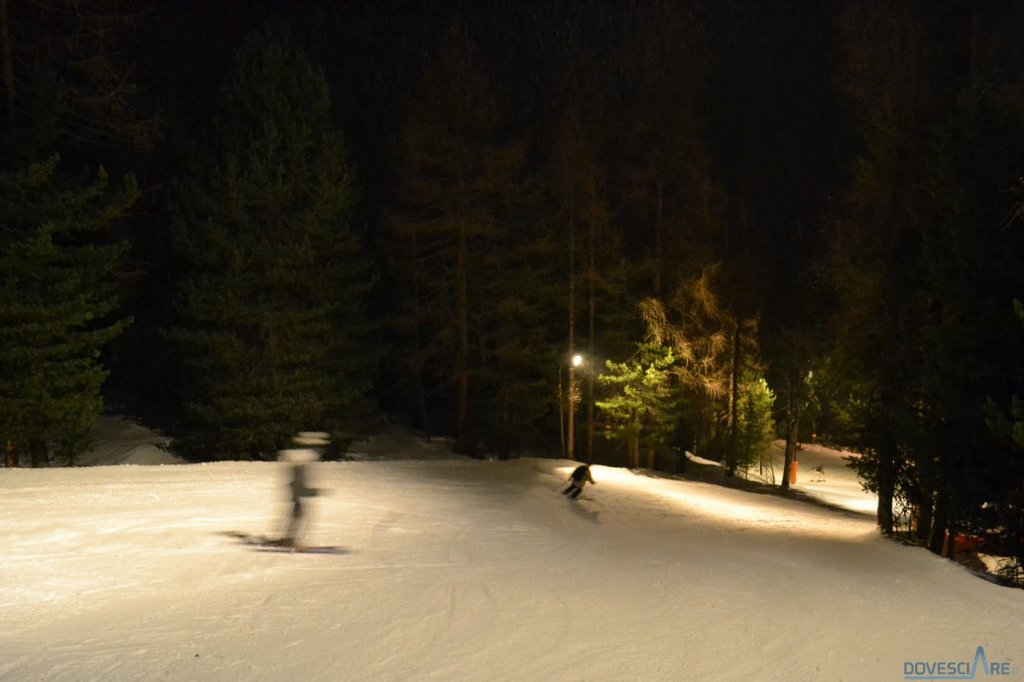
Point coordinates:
pixel 584 513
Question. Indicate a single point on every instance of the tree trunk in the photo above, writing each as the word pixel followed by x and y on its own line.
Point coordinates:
pixel 561 413
pixel 10 450
pixel 591 326
pixel 732 456
pixel 658 238
pixel 590 415
pixel 923 520
pixel 420 391
pixel 791 432
pixel 886 488
pixel 463 443
pixel 504 427
pixel 38 453
pixel 571 427
pixel 572 326
pixel 950 534
pixel 6 64
pixel 652 457
pixel 634 449
pixel 940 525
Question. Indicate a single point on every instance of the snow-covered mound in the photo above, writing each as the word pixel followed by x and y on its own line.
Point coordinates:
pixel 399 443
pixel 117 440
pixel 467 570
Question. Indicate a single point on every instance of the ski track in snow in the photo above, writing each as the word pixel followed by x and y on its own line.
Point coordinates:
pixel 466 570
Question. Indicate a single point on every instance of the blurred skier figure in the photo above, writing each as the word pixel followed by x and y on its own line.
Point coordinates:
pixel 298 487
pixel 579 478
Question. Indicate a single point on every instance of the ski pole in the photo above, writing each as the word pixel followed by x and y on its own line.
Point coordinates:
pixel 565 482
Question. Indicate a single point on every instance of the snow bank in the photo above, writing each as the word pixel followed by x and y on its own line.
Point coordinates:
pixel 116 440
pixel 398 443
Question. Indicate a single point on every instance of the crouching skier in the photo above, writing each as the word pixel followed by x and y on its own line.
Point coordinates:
pixel 579 478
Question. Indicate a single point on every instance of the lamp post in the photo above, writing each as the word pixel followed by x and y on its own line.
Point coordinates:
pixel 577 360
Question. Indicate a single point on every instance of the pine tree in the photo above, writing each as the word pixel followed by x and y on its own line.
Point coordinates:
pixel 924 264
pixel 702 336
pixel 642 409
pixel 593 292
pixel 756 426
pixel 64 62
pixel 58 277
pixel 1006 505
pixel 273 327
pixel 67 92
pixel 665 182
pixel 971 263
pixel 876 251
pixel 516 341
pixel 462 178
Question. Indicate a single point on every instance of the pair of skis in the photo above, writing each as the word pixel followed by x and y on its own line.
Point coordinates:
pixel 561 488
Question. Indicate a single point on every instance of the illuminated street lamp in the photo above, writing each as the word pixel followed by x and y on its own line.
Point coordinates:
pixel 577 361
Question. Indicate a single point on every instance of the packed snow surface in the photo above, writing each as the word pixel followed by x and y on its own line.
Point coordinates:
pixel 471 570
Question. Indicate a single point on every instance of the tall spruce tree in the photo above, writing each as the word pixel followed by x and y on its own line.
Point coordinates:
pixel 972 265
pixel 925 266
pixel 593 290
pixel 1007 505
pixel 58 276
pixel 66 96
pixel 877 250
pixel 666 188
pixel 516 340
pixel 461 179
pixel 273 327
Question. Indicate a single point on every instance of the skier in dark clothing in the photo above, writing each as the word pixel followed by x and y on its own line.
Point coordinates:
pixel 579 478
